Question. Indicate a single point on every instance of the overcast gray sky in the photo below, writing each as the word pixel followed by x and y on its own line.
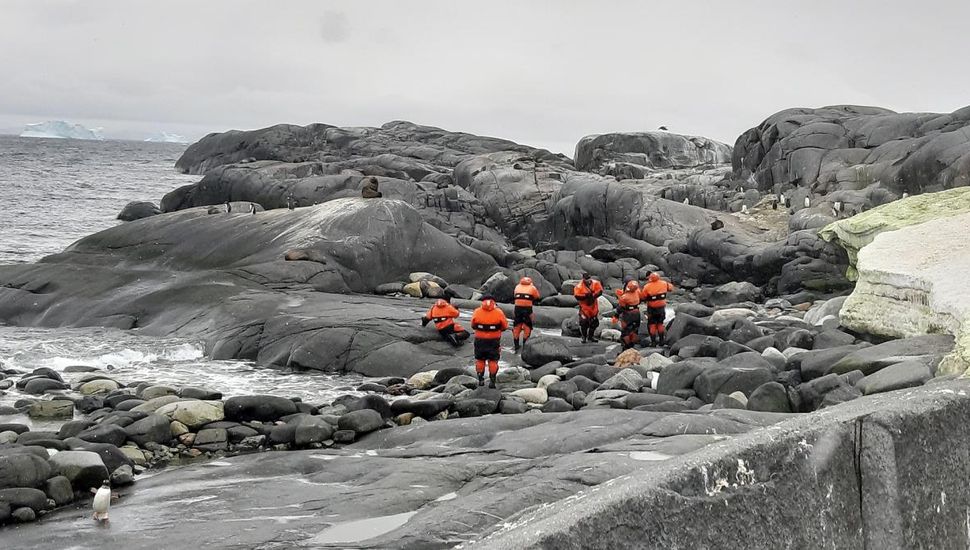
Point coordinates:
pixel 543 73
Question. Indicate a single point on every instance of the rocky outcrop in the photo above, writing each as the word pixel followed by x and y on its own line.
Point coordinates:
pixel 635 154
pixel 912 281
pixel 858 231
pixel 398 147
pixel 851 148
pixel 864 469
pixel 345 244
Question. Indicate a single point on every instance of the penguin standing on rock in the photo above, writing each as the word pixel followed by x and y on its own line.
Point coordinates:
pixel 808 202
pixel 228 207
pixel 744 209
pixel 686 200
pixel 252 209
pixel 290 203
pixel 102 501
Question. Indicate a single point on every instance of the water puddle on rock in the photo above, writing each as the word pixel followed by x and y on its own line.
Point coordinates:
pixel 361 529
pixel 648 456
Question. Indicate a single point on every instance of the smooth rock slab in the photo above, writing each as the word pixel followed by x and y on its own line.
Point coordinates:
pixel 871 359
pixel 906 374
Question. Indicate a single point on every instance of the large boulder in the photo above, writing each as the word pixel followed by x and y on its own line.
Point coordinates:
pixel 56 409
pixel 193 413
pixel 84 469
pixel 258 407
pixel 712 381
pixel 362 421
pixel 770 397
pixel 905 374
pixel 857 232
pixel 911 282
pixel 24 497
pixel 540 350
pixel 847 147
pixel 647 151
pixel 154 428
pixel 137 210
pixel 23 469
pixel 874 358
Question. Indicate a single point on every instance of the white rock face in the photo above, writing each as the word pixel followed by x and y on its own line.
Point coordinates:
pixel 913 281
pixel 59 129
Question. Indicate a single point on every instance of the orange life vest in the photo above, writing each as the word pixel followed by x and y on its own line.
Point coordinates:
pixel 489 325
pixel 586 296
pixel 442 316
pixel 629 301
pixel 526 295
pixel 655 293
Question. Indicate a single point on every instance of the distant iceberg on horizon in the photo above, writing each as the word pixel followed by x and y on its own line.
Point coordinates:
pixel 58 129
pixel 165 137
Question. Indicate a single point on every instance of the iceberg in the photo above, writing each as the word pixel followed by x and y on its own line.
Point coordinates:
pixel 165 137
pixel 59 129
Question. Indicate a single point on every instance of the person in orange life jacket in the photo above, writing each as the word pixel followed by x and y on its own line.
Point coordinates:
pixel 586 293
pixel 655 295
pixel 628 312
pixel 443 315
pixel 489 322
pixel 526 294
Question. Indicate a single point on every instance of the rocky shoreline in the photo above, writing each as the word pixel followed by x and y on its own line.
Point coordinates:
pixel 313 276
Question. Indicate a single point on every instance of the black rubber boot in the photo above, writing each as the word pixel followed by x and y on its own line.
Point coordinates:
pixel 516 345
pixel 481 379
pixel 491 380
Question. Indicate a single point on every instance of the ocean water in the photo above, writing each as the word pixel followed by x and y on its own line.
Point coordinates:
pixel 53 192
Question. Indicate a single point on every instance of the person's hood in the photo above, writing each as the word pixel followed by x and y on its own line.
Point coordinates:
pixel 441 303
pixel 654 277
pixel 488 304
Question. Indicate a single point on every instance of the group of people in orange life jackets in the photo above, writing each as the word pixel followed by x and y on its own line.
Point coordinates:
pixel 489 322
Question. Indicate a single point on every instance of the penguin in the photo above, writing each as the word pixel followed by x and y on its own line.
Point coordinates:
pixel 740 189
pixel 774 204
pixel 905 195
pixel 808 202
pixel 228 207
pixel 686 200
pixel 290 202
pixel 838 207
pixel 744 209
pixel 782 199
pixel 835 213
pixel 252 209
pixel 102 501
